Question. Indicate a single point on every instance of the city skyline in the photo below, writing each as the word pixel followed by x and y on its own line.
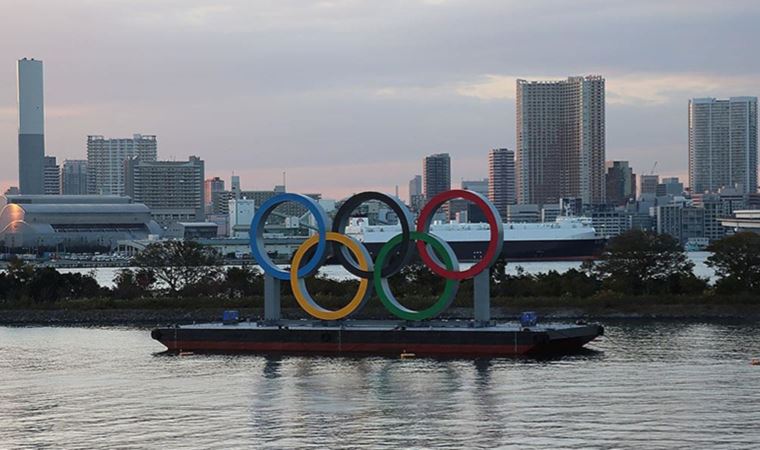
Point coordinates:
pixel 369 107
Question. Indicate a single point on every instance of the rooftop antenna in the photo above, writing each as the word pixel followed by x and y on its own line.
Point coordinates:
pixel 283 180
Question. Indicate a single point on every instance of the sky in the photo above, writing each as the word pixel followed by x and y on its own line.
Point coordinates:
pixel 347 95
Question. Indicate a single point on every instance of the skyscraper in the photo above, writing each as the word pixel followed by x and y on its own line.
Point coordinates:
pixel 105 161
pixel 210 187
pixel 436 174
pixel 649 184
pixel 621 183
pixel 235 186
pixel 74 177
pixel 723 144
pixel 501 178
pixel 670 186
pixel 173 190
pixel 415 193
pixel 560 140
pixel 51 176
pixel 31 127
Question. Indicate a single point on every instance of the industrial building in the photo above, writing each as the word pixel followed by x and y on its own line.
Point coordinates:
pixel 743 220
pixel 31 127
pixel 192 230
pixel 71 223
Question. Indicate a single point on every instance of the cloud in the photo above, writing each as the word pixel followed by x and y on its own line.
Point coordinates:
pixel 658 89
pixel 628 89
pixel 200 15
pixel 272 84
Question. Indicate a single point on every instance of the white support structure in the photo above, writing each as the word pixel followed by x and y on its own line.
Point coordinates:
pixel 481 296
pixel 272 308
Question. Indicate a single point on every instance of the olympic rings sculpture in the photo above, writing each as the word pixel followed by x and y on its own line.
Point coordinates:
pixel 329 239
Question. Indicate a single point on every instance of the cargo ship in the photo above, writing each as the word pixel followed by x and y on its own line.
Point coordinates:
pixel 435 338
pixel 567 238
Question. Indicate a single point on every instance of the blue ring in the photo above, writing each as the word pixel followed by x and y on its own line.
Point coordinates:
pixel 257 235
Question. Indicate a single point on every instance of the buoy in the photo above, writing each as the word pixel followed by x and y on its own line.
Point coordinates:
pixel 405 355
pixel 755 362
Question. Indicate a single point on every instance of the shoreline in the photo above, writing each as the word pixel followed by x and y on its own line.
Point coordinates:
pixel 145 317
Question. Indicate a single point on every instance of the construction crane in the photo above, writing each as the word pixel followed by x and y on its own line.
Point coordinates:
pixel 651 172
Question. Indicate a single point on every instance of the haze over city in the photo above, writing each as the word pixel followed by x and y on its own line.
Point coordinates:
pixel 347 96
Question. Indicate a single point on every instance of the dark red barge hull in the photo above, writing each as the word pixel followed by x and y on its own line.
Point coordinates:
pixel 454 341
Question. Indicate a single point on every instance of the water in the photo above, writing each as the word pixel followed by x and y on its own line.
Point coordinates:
pixel 105 275
pixel 645 385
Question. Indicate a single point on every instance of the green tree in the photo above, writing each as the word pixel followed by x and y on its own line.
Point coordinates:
pixel 129 283
pixel 639 262
pixel 45 284
pixel 179 265
pixel 736 260
pixel 243 282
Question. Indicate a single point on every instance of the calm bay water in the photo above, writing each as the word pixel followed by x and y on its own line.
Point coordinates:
pixel 105 275
pixel 645 385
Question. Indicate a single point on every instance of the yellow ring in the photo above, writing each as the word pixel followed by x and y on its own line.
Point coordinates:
pixel 299 286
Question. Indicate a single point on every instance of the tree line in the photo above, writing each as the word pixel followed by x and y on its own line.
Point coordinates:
pixel 635 263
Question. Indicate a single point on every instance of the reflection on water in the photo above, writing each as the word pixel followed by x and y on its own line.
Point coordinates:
pixel 644 384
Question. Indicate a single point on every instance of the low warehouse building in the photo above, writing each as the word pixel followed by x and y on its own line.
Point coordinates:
pixel 71 223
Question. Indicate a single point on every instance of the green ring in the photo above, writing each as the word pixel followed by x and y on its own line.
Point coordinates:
pixel 442 249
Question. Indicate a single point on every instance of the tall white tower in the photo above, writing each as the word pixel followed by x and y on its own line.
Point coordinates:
pixel 31 127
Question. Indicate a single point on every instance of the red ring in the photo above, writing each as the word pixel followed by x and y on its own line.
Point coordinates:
pixel 494 245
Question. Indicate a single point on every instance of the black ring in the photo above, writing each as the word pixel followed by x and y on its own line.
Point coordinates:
pixel 404 217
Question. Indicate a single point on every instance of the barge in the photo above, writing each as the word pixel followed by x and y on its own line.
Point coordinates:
pixel 435 338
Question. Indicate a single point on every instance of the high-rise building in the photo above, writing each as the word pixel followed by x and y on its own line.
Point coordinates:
pixel 287 209
pixel 31 127
pixel 648 184
pixel 501 177
pixel 173 190
pixel 669 186
pixel 479 186
pixel 220 202
pixel 436 174
pixel 235 186
pixel 105 161
pixel 560 140
pixel 210 187
pixel 74 177
pixel 472 212
pixel 621 183
pixel 723 144
pixel 416 199
pixel 51 176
